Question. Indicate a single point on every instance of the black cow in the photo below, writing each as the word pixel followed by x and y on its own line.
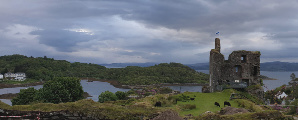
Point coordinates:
pixel 227 103
pixel 192 98
pixel 217 104
pixel 158 104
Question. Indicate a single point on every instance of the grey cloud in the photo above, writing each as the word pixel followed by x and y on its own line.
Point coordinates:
pixel 229 17
pixel 62 40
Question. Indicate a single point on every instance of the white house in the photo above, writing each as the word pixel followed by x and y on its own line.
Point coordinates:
pixel 20 76
pixel 9 75
pixel 1 76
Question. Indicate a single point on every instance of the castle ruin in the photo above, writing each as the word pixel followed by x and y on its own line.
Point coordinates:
pixel 241 70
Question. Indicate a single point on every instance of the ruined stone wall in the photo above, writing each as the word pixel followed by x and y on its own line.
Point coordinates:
pixel 248 65
pixel 243 66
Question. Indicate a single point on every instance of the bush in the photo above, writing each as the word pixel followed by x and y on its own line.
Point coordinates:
pixel 107 96
pixel 294 109
pixel 121 95
pixel 248 105
pixel 62 89
pixel 26 96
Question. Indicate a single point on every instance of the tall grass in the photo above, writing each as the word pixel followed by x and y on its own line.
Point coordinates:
pixel 248 105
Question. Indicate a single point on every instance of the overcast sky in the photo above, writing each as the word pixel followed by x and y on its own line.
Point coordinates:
pixel 126 31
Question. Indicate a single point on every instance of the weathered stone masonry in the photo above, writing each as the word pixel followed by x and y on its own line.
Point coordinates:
pixel 241 67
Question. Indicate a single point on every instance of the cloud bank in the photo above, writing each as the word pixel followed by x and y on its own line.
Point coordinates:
pixel 110 31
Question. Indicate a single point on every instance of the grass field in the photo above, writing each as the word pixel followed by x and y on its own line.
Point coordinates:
pixel 205 102
pixel 134 108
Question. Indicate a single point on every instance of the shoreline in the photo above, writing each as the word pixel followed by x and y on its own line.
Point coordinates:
pixel 13 95
pixel 20 85
pixel 118 85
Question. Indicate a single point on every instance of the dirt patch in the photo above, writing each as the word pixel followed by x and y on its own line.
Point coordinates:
pixel 168 115
pixel 232 110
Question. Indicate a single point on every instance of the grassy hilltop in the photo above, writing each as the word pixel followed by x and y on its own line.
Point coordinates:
pixel 144 107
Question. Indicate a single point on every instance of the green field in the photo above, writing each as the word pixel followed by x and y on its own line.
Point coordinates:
pixel 205 102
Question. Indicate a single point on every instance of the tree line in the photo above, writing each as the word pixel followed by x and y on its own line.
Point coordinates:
pixel 44 68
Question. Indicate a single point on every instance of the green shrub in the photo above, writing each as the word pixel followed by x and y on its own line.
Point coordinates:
pixel 61 89
pixel 121 95
pixel 248 105
pixel 25 97
pixel 251 97
pixel 129 101
pixel 107 96
pixel 294 109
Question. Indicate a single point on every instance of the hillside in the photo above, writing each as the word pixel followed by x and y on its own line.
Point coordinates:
pixel 43 68
pixel 268 66
pixel 161 73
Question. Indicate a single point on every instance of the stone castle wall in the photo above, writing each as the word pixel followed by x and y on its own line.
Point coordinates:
pixel 242 66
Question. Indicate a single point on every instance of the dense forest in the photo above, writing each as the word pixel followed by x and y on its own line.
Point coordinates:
pixel 43 68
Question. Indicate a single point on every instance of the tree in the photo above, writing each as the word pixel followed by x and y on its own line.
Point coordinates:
pixel 107 96
pixel 26 96
pixel 121 95
pixel 61 89
pixel 293 76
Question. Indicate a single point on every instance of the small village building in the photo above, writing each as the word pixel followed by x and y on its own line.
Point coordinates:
pixel 9 75
pixel 20 76
pixel 282 95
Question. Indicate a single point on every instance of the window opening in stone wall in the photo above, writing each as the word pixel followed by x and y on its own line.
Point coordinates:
pixel 246 80
pixel 236 68
pixel 243 58
pixel 255 70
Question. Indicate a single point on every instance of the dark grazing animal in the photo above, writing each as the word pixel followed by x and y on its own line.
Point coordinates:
pixel 217 104
pixel 158 104
pixel 192 98
pixel 227 103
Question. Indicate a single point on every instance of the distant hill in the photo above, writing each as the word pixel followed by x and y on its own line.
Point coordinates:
pixel 279 66
pixel 268 66
pixel 123 65
pixel 199 66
